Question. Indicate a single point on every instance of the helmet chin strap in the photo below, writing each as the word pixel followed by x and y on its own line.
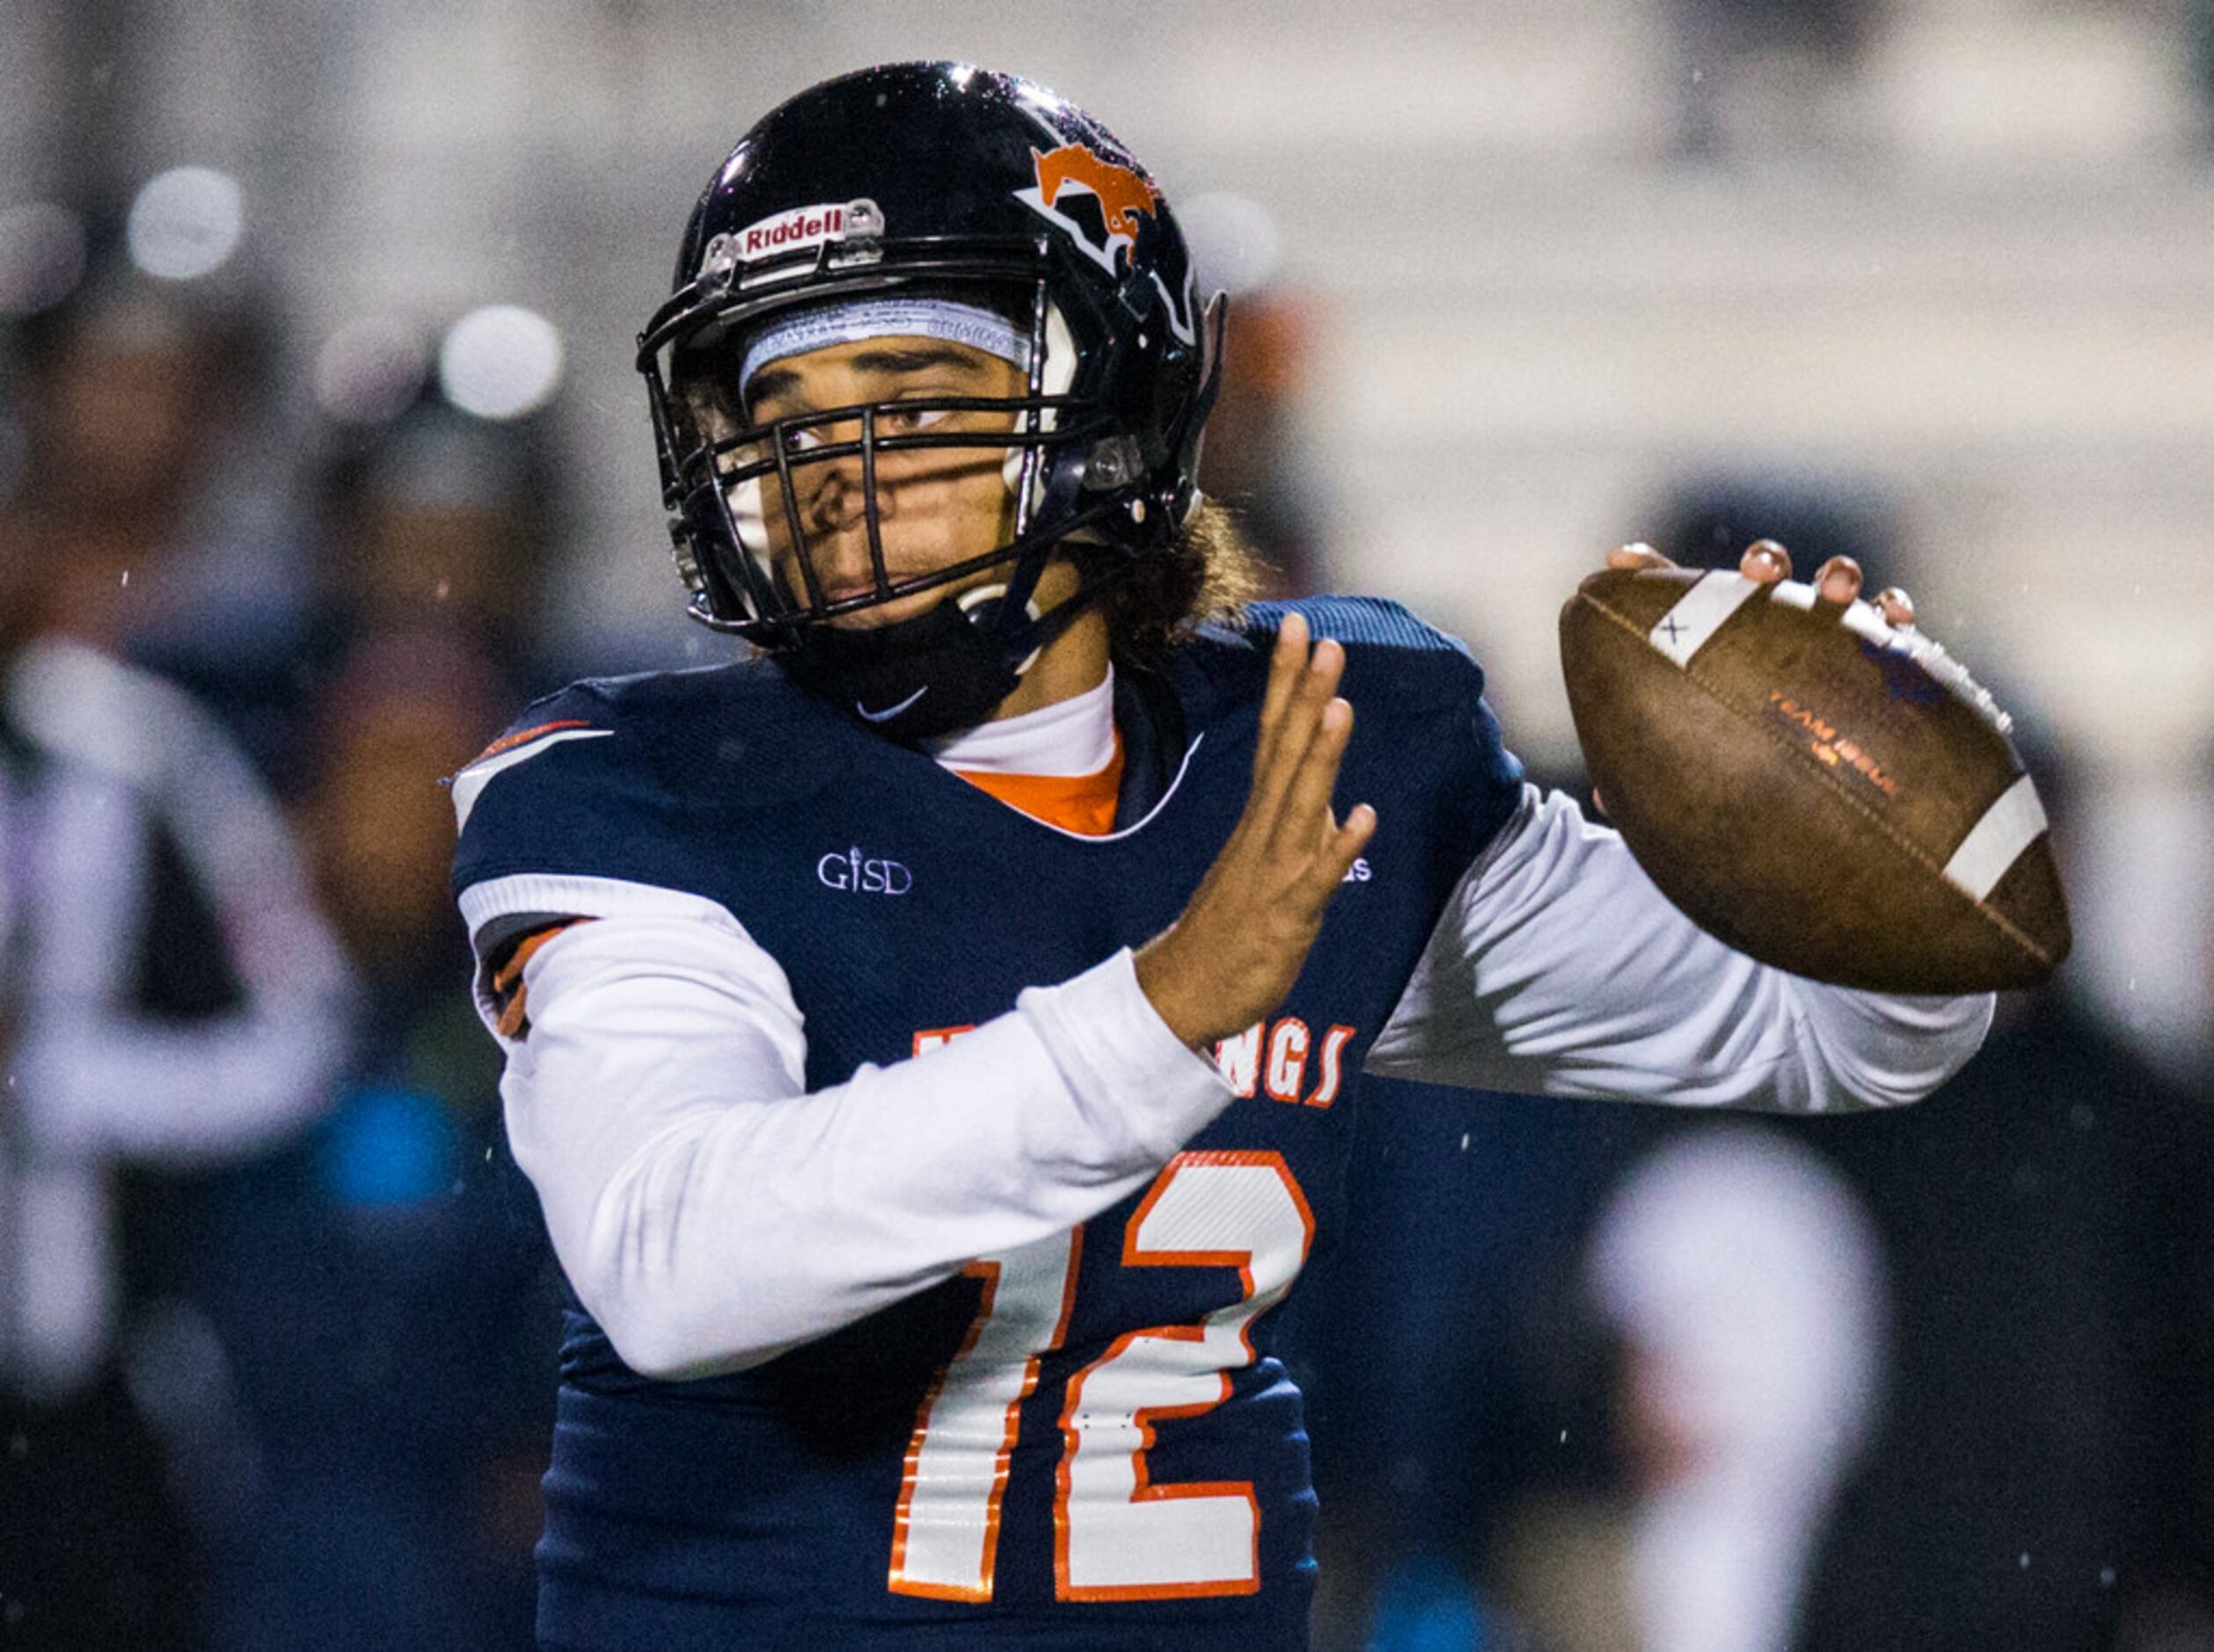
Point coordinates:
pixel 945 669
pixel 983 603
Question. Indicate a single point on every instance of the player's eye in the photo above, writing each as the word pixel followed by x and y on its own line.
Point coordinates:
pixel 802 439
pixel 900 420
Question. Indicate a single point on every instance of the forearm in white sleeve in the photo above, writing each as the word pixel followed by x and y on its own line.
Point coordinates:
pixel 711 1214
pixel 1560 969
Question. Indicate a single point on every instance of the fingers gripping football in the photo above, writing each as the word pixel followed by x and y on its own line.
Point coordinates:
pixel 1766 562
pixel 1232 954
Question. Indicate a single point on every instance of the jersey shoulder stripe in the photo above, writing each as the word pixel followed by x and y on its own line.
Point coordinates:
pixel 611 777
pixel 506 753
pixel 523 736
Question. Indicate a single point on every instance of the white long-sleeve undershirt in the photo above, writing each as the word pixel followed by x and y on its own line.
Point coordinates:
pixel 1560 969
pixel 712 1214
pixel 1068 737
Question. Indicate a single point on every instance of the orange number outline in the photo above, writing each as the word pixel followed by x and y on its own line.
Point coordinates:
pixel 1146 1491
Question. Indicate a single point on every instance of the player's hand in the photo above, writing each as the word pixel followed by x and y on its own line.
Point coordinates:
pixel 1766 562
pixel 1233 954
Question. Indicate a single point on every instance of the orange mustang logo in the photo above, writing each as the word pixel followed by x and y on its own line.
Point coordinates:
pixel 1121 192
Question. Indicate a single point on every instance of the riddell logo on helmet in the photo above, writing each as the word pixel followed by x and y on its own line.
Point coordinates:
pixel 806 226
pixel 1122 195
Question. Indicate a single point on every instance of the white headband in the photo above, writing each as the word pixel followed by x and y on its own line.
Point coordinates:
pixel 885 319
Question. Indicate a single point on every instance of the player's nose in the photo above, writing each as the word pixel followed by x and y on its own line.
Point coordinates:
pixel 831 487
pixel 834 500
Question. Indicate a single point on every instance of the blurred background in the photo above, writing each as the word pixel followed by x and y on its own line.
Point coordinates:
pixel 321 450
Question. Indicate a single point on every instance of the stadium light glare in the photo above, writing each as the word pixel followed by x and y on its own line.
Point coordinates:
pixel 500 362
pixel 186 223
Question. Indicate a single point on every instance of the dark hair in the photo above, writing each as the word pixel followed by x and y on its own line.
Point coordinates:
pixel 1208 574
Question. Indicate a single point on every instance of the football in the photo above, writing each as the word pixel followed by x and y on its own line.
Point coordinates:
pixel 1830 795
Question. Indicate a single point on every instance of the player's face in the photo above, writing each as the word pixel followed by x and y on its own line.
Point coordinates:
pixel 935 507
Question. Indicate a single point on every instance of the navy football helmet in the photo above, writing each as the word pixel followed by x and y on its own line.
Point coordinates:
pixel 942 183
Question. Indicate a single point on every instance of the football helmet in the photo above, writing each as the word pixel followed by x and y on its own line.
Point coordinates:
pixel 999 213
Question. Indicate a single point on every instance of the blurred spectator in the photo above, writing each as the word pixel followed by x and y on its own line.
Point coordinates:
pixel 373 1367
pixel 384 1289
pixel 2142 892
pixel 1741 1279
pixel 1708 521
pixel 440 520
pixel 2041 1473
pixel 167 993
pixel 2045 1476
pixel 1444 1375
pixel 166 543
pixel 1755 75
pixel 1255 460
pixel 141 403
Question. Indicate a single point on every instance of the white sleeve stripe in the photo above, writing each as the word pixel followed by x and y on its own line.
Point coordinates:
pixel 588 897
pixel 1698 614
pixel 1996 842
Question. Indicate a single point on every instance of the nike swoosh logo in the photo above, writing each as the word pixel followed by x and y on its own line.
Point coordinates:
pixel 886 716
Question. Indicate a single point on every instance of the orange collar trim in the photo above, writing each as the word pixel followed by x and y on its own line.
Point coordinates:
pixel 1079 803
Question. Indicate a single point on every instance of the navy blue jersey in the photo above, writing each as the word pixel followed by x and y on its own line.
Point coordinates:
pixel 1086 1444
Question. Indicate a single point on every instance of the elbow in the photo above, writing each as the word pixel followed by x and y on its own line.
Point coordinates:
pixel 663 1332
pixel 643 1340
pixel 1905 1049
pixel 674 1305
pixel 1956 1028
pixel 662 1347
pixel 1862 1095
pixel 1832 1088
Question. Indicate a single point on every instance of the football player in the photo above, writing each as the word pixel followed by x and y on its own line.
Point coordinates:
pixel 934 1040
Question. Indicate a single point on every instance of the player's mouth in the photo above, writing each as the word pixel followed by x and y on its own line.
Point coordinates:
pixel 847 588
pixel 874 614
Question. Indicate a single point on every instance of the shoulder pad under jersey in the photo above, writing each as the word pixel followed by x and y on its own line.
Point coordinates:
pixel 1413 687
pixel 604 778
pixel 1393 661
